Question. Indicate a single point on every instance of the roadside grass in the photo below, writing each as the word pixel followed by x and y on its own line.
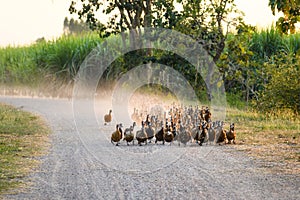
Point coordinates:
pixel 23 138
pixel 274 140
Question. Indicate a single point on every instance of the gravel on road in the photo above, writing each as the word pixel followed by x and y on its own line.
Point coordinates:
pixel 83 164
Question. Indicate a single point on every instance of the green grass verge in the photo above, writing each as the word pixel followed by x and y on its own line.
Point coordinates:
pixel 272 139
pixel 23 138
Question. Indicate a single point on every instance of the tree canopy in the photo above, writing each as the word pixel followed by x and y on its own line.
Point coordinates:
pixel 206 21
pixel 126 15
pixel 254 65
pixel 291 12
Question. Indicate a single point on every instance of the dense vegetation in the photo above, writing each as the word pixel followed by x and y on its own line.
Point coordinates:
pixel 259 67
pixel 264 67
pixel 45 61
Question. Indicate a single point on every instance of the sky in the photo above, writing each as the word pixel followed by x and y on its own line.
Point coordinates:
pixel 24 21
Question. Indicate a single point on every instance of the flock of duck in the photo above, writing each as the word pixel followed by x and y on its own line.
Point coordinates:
pixel 180 123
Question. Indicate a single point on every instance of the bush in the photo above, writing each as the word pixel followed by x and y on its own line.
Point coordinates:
pixel 282 91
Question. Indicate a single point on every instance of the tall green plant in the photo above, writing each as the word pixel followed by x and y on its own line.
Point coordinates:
pixel 61 58
pixel 65 55
pixel 267 43
pixel 17 65
pixel 282 91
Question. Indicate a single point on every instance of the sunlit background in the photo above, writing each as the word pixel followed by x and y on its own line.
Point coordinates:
pixel 23 22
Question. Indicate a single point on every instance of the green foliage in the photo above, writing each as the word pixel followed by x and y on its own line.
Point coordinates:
pixel 282 91
pixel 126 15
pixel 291 12
pixel 259 67
pixel 263 68
pixel 292 43
pixel 208 22
pixel 65 55
pixel 30 64
pixel 187 70
pixel 239 69
pixel 267 43
pixel 234 100
pixel 17 66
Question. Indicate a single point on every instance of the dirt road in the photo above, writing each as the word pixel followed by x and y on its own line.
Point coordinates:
pixel 83 164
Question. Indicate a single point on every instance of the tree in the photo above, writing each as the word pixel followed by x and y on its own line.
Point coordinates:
pixel 74 26
pixel 208 22
pixel 282 91
pixel 126 15
pixel 291 12
pixel 237 63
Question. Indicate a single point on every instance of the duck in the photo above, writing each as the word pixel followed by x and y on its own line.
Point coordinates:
pixel 231 134
pixel 159 136
pixel 220 133
pixel 129 135
pixel 168 135
pixel 141 135
pixel 108 117
pixel 203 137
pixel 150 132
pixel 211 133
pixel 116 136
pixel 195 133
pixel 183 135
